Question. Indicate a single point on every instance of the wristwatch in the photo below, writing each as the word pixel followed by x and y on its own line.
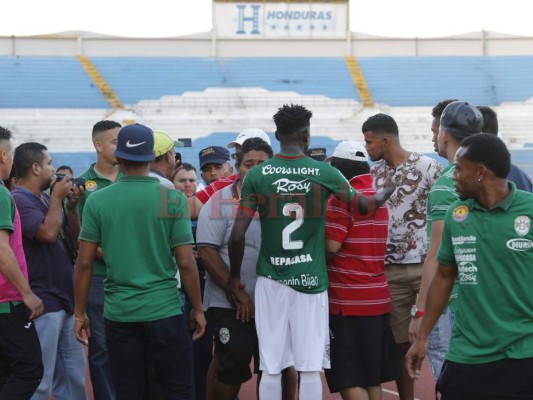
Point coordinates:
pixel 416 312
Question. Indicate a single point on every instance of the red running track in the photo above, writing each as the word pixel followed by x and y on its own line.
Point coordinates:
pixel 424 388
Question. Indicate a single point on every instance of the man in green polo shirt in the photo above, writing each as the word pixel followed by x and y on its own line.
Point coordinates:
pixel 453 121
pixel 98 176
pixel 143 229
pixel 487 244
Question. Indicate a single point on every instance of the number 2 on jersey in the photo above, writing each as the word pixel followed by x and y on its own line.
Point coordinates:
pixel 287 243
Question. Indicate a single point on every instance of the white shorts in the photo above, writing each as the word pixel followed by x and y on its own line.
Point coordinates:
pixel 292 327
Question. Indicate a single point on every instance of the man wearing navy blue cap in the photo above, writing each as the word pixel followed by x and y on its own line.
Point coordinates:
pixel 214 163
pixel 316 153
pixel 144 321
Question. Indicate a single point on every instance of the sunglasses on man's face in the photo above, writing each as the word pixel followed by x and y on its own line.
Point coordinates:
pixel 234 155
pixel 177 156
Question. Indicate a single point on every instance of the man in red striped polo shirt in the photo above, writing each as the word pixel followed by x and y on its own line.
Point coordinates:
pixel 363 353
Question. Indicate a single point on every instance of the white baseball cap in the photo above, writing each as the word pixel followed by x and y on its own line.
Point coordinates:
pixel 350 150
pixel 247 134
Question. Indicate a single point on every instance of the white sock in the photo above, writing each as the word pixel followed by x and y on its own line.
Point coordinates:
pixel 270 387
pixel 310 386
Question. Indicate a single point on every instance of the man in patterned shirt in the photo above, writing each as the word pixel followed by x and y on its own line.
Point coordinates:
pixel 290 192
pixel 414 174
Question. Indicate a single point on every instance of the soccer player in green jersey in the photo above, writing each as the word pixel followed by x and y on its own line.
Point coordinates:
pixel 290 192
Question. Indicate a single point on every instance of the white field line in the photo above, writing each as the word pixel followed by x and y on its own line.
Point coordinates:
pixel 393 392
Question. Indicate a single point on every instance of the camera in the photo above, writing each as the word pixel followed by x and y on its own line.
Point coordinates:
pixel 75 181
pixel 187 142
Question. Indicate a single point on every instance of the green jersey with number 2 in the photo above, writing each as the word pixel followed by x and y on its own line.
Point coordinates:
pixel 290 193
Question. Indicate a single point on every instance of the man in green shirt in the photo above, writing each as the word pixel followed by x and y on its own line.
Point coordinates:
pixel 455 120
pixel 143 229
pixel 98 176
pixel 290 192
pixel 487 244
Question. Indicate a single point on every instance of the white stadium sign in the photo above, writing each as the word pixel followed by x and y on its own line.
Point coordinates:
pixel 281 20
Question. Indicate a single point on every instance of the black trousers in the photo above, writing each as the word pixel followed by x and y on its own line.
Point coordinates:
pixel 506 379
pixel 163 344
pixel 21 366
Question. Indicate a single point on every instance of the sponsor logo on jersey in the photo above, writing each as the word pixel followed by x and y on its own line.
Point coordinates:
pixel 467 273
pixel 285 185
pixel 223 335
pixel 522 224
pixel 520 244
pixel 90 186
pixel 271 170
pixel 460 213
pixel 305 280
pixel 459 240
pixel 291 260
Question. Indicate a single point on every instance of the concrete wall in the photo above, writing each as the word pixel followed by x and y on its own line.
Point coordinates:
pixel 204 45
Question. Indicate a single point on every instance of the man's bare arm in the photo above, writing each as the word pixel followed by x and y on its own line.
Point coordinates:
pixel 437 299
pixel 83 274
pixel 428 272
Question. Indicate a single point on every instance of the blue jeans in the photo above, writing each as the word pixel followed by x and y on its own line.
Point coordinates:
pixel 99 366
pixel 439 342
pixel 63 358
pixel 164 344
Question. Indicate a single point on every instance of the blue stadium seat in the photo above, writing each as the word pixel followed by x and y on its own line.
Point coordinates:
pixel 46 82
pixel 60 82
pixel 424 81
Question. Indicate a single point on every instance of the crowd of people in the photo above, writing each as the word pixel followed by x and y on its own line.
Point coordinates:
pixel 359 264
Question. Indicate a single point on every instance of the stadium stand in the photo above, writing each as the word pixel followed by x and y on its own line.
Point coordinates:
pixel 154 77
pixel 46 82
pixel 424 81
pixel 50 98
pixel 60 82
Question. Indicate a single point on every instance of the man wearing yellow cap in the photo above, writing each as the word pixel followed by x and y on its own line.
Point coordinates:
pixel 164 164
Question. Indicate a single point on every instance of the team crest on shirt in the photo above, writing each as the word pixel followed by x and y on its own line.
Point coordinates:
pixel 90 186
pixel 223 335
pixel 522 224
pixel 460 213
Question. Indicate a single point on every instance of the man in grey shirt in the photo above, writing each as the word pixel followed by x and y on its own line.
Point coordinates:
pixel 235 340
